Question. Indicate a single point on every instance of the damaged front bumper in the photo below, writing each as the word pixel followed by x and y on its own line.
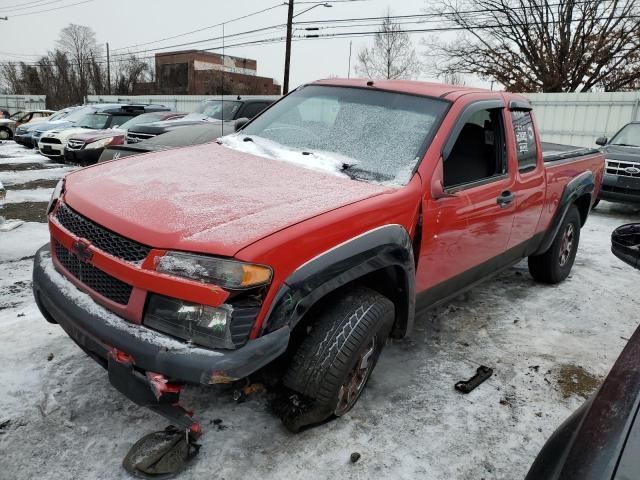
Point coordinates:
pixel 100 332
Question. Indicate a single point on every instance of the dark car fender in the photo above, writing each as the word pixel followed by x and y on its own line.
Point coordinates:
pixel 577 192
pixel 385 251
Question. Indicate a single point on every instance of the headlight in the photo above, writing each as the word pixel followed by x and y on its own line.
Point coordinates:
pixel 225 273
pixel 55 195
pixel 199 324
pixel 99 143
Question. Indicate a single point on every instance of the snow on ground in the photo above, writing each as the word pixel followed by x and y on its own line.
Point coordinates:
pixel 548 345
pixel 35 195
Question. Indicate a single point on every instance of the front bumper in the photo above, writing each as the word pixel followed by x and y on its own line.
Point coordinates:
pixel 82 157
pixel 24 140
pixel 98 332
pixel 52 150
pixel 620 189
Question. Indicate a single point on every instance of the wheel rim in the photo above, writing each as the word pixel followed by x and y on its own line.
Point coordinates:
pixel 356 379
pixel 566 247
pixel 4 135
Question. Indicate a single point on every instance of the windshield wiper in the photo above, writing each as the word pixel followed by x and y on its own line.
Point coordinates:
pixel 624 145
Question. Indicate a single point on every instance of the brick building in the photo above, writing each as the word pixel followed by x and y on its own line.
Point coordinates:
pixel 201 73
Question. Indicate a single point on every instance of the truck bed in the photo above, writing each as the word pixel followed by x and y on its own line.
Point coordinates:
pixel 553 152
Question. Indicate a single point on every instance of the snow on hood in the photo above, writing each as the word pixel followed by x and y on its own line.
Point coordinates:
pixel 320 161
pixel 67 133
pixel 207 198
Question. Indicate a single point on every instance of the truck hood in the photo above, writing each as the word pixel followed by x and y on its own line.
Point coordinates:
pixel 67 133
pixel 619 152
pixel 54 125
pixel 158 128
pixel 208 199
pixel 94 135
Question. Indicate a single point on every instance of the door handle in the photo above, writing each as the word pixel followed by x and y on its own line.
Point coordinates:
pixel 505 199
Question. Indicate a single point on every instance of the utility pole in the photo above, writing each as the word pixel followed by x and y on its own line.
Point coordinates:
pixel 108 71
pixel 287 54
pixel 350 44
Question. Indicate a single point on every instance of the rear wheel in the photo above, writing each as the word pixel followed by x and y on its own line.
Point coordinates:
pixel 334 362
pixel 5 134
pixel 555 264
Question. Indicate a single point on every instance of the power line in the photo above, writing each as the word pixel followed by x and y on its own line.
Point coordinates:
pixel 204 28
pixel 51 9
pixel 40 3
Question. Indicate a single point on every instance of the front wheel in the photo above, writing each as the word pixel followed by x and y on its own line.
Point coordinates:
pixel 555 264
pixel 5 134
pixel 334 362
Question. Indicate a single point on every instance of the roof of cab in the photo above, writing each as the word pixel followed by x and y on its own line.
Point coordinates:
pixel 439 90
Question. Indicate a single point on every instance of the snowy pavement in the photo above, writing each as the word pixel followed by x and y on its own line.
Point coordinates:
pixel 549 347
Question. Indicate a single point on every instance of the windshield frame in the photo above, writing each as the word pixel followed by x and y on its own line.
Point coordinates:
pixel 428 139
pixel 619 132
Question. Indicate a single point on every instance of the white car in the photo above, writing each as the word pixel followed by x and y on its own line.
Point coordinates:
pixel 109 116
pixel 52 143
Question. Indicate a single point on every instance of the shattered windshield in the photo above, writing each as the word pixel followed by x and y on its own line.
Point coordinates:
pixel 368 134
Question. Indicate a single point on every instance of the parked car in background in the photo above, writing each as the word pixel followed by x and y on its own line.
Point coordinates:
pixel 86 148
pixel 53 142
pixel 24 133
pixel 601 440
pixel 621 182
pixel 181 137
pixel 308 237
pixel 4 113
pixel 9 125
pixel 229 111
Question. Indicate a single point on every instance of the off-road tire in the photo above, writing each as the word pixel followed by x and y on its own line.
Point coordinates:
pixel 549 267
pixel 354 325
pixel 5 134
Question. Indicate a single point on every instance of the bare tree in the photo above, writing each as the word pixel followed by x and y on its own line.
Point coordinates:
pixel 543 45
pixel 129 71
pixel 452 78
pixel 392 55
pixel 78 42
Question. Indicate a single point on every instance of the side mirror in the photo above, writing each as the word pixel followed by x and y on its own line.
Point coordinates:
pixel 625 244
pixel 602 141
pixel 438 190
pixel 241 122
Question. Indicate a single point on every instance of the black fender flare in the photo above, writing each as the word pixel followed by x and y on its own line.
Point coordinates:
pixel 372 251
pixel 583 184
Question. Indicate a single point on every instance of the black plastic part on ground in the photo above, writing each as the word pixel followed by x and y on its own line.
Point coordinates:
pixel 161 455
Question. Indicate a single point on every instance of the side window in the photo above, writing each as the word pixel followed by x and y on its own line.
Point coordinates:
pixel 253 109
pixel 525 139
pixel 479 151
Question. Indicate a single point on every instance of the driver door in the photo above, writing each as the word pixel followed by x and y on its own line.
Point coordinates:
pixel 468 216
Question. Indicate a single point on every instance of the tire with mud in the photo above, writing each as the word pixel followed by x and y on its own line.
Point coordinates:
pixel 554 265
pixel 335 360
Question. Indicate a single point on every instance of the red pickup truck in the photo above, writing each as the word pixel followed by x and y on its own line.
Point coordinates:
pixel 302 242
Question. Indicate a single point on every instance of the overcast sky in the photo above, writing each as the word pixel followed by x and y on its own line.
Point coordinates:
pixel 126 23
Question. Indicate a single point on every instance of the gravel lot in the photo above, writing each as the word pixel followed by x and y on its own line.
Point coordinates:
pixel 549 346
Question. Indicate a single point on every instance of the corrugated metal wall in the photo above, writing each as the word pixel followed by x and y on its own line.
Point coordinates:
pixel 14 103
pixel 180 103
pixel 579 118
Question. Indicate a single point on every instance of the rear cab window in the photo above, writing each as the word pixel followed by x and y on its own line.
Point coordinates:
pixel 524 132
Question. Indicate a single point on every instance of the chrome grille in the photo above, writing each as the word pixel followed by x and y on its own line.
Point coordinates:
pixel 623 169
pixel 138 137
pixel 100 237
pixel 75 144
